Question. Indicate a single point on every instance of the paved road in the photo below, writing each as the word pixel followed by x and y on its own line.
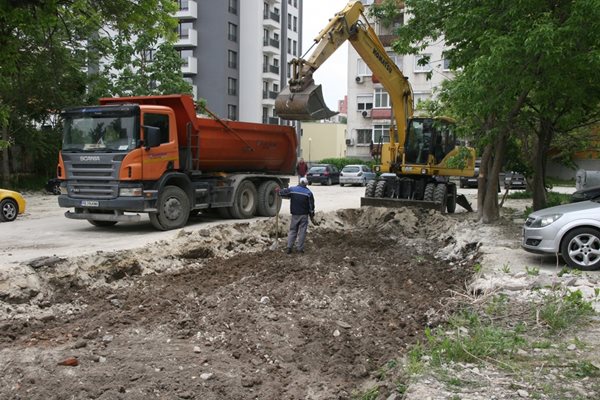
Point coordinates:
pixel 44 231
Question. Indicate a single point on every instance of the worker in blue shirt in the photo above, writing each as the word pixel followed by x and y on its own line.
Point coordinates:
pixel 302 207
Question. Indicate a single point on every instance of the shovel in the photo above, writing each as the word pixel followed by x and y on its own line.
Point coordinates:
pixel 275 244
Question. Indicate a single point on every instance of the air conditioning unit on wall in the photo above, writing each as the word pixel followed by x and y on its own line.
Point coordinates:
pixel 350 142
pixel 359 79
pixel 366 114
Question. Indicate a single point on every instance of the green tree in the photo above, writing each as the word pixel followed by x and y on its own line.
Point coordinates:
pixel 518 64
pixel 46 47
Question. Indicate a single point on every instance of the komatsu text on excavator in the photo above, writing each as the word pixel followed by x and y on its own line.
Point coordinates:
pixel 417 163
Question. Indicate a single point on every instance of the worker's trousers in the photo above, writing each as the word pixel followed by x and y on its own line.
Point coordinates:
pixel 298 228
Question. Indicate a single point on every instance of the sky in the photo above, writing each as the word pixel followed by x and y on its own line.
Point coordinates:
pixel 332 75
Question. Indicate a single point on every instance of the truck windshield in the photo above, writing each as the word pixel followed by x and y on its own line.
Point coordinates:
pixel 106 132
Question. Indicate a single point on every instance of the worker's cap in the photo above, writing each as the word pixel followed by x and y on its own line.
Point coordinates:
pixel 303 181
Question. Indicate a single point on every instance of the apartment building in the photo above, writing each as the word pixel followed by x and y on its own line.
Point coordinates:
pixel 368 104
pixel 236 53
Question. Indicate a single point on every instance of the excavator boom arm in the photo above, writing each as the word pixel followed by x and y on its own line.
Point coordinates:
pixel 303 100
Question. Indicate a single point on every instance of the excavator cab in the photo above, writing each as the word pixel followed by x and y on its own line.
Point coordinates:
pixel 428 140
pixel 303 105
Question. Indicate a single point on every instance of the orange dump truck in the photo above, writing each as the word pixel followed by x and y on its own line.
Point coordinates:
pixel 153 155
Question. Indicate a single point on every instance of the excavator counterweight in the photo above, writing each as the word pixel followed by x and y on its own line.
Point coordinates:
pixel 305 105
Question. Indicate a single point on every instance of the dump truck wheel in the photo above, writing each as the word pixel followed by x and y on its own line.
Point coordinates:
pixel 102 224
pixel 428 194
pixel 173 208
pixel 451 199
pixel 370 189
pixel 268 200
pixel 245 202
pixel 380 189
pixel 440 194
pixel 224 212
pixel 154 221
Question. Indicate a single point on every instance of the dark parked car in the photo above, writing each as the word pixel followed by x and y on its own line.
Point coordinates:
pixel 514 180
pixel 325 174
pixel 471 181
pixel 591 193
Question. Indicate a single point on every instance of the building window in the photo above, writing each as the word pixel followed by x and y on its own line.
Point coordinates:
pixel 266 10
pixel 265 37
pixel 362 69
pixel 289 21
pixel 183 30
pixel 233 7
pixel 148 55
pixel 446 64
pixel 295 24
pixel 296 3
pixel 232 112
pixel 423 63
pixel 232 32
pixel 289 46
pixel 364 102
pixel 185 55
pixel 232 59
pixel 295 48
pixel 232 86
pixel 381 133
pixel 363 136
pixel 289 71
pixel 396 59
pixel 382 99
pixel 184 5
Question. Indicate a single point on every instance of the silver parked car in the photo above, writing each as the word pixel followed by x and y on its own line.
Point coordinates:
pixel 573 230
pixel 356 175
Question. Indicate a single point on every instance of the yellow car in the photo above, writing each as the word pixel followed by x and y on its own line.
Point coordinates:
pixel 11 204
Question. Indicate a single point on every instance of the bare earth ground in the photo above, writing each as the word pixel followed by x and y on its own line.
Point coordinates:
pixel 220 312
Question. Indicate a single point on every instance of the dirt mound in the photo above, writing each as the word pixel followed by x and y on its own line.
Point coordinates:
pixel 216 314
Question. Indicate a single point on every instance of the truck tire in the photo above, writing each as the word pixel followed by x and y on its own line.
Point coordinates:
pixel 245 201
pixel 173 209
pixel 268 200
pixel 429 190
pixel 440 194
pixel 224 212
pixel 451 199
pixel 380 189
pixel 370 189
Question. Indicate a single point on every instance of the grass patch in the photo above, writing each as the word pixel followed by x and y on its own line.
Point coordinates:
pixel 560 312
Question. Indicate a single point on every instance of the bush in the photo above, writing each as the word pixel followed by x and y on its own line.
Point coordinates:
pixel 342 162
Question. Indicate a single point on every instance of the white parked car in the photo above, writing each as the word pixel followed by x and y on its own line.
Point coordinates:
pixel 356 175
pixel 573 230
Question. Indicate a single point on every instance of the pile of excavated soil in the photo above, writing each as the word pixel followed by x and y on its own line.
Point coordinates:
pixel 224 313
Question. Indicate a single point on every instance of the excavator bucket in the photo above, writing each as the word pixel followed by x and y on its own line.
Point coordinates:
pixel 307 105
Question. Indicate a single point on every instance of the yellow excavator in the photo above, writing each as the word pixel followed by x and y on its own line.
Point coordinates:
pixel 422 153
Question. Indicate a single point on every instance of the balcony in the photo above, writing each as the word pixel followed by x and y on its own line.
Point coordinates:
pixel 190 66
pixel 191 12
pixel 271 72
pixel 190 39
pixel 381 113
pixel 271 46
pixel 271 20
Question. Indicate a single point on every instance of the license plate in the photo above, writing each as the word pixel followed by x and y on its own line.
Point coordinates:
pixel 89 203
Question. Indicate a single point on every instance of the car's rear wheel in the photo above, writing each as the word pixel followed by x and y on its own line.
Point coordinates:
pixel 8 210
pixel 580 248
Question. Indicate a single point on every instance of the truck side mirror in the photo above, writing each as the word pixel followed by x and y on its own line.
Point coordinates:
pixel 151 136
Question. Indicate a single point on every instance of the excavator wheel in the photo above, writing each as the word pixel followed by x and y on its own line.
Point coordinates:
pixel 370 189
pixel 429 189
pixel 440 194
pixel 380 189
pixel 451 199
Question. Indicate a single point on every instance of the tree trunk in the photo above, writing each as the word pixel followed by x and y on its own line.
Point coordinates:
pixel 491 165
pixel 540 158
pixel 5 161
